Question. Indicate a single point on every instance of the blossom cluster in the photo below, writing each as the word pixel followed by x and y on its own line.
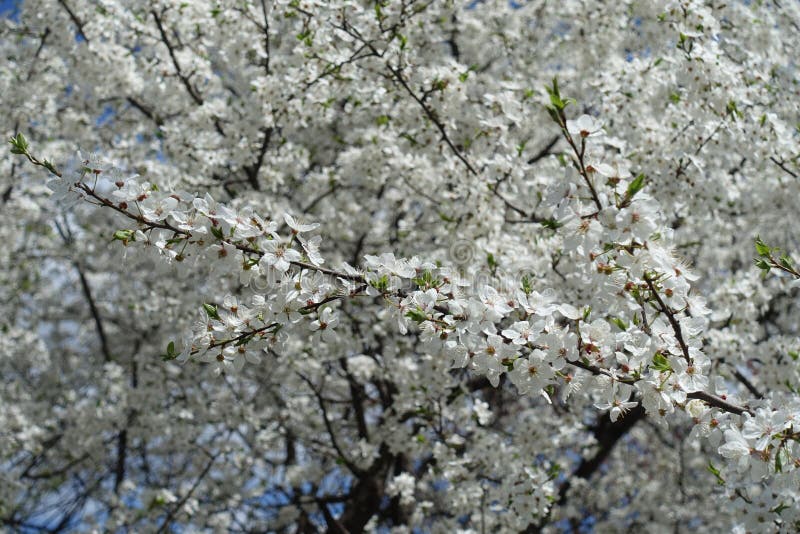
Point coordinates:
pixel 642 346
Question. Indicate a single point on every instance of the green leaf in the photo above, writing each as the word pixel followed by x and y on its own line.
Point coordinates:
pixel 763 265
pixel 381 284
pixel 427 280
pixel 634 187
pixel 211 310
pixel 417 315
pixel 244 339
pixel 19 145
pixel 171 354
pixel 552 224
pixel 733 111
pixel 156 502
pixel 716 472
pixel 410 138
pixel 780 508
pixel 620 323
pixel 661 363
pixel 124 235
pixel 527 288
pixel 50 167
pixel 554 471
pixel 557 103
pixel 306 37
pixel 216 231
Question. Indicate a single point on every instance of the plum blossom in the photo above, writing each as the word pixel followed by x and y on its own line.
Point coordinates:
pixel 278 255
pixel 585 126
pixel 325 325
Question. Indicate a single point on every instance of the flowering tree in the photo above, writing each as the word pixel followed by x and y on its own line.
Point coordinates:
pixel 400 264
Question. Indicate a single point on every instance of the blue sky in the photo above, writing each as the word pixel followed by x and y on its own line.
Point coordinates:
pixel 8 8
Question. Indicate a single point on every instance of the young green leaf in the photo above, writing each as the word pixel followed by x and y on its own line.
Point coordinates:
pixel 762 248
pixel 211 311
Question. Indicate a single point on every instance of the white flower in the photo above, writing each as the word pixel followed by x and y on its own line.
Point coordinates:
pixel 311 246
pixel 531 374
pixel 133 191
pixel 399 267
pixel 63 192
pixel 157 208
pixel 325 324
pixel 569 311
pixel 297 226
pixel 362 366
pixel 278 255
pixel 245 353
pixel 541 304
pixel 616 408
pixel 521 333
pixel 496 305
pixel 482 412
pixel 763 426
pixel 188 220
pixel 736 447
pixel 691 377
pixel 285 307
pixel 585 126
pixel 402 486
pixel 240 223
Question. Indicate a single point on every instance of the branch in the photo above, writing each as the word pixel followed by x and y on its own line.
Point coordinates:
pixel 101 333
pixel 189 87
pixel 398 75
pixel 719 402
pixel 266 37
pixel 544 151
pixel 747 383
pixel 782 165
pixel 676 327
pixel 180 503
pixel 75 20
pixel 433 117
pixel 357 471
pixel 252 170
pixel 607 434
